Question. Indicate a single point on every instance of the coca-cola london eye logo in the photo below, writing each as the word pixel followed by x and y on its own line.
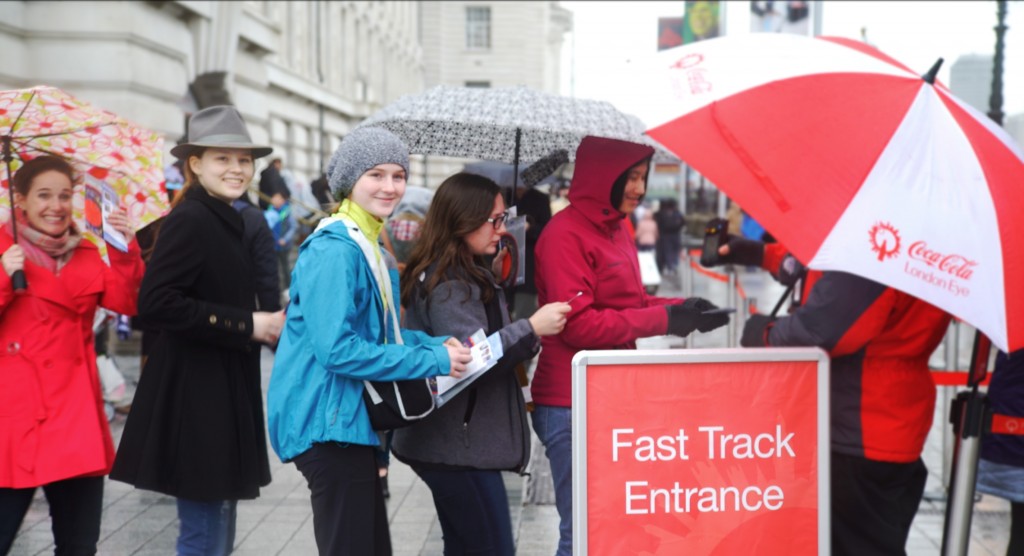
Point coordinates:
pixel 885 240
pixel 950 272
pixel 687 67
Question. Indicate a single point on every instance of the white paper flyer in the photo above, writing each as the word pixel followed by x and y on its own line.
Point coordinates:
pixel 486 351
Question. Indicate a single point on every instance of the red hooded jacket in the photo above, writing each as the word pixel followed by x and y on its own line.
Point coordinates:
pixel 587 248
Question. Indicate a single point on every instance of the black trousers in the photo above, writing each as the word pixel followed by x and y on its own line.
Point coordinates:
pixel 349 512
pixel 75 508
pixel 1016 545
pixel 472 507
pixel 873 504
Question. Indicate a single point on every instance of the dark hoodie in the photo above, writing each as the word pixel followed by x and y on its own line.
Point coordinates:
pixel 586 248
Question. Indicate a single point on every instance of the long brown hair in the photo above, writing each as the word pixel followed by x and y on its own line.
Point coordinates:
pixel 190 176
pixel 191 179
pixel 461 204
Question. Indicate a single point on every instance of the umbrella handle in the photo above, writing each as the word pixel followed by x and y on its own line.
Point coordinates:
pixel 18 282
pixel 782 299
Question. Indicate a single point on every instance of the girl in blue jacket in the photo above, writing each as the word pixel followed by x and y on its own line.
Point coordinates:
pixel 341 330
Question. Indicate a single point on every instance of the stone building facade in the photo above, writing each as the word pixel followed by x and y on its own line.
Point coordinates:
pixel 301 73
pixel 494 44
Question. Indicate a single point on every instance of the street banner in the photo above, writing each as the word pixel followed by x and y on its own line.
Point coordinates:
pixel 700 21
pixel 670 32
pixel 701 452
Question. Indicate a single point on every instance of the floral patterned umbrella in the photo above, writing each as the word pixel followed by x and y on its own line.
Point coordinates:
pixel 98 144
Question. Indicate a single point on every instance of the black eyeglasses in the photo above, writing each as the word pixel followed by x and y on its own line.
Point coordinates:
pixel 497 221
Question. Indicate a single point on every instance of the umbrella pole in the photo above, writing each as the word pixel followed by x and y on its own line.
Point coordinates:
pixel 18 282
pixel 971 417
pixel 785 294
pixel 515 169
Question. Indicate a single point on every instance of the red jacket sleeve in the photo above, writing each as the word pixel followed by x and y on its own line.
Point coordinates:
pixel 121 280
pixel 591 326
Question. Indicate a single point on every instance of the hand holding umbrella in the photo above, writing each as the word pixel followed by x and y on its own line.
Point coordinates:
pixel 17 260
pixel 13 261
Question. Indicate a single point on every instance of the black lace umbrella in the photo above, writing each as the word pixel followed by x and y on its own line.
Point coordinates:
pixel 511 124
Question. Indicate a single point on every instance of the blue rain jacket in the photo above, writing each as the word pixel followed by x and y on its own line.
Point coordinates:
pixel 332 341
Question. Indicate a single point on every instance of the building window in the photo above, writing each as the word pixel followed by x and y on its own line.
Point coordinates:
pixel 478 28
pixel 478 84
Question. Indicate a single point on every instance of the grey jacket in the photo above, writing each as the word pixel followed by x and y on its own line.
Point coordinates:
pixel 483 427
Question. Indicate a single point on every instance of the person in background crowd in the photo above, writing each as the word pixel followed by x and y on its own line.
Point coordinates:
pixel 586 255
pixel 173 179
pixel 461 448
pixel 342 329
pixel 322 191
pixel 53 427
pixel 536 207
pixel 670 225
pixel 288 177
pixel 1001 467
pixel 647 232
pixel 560 200
pixel 259 242
pixel 882 394
pixel 196 429
pixel 303 204
pixel 281 221
pixel 272 182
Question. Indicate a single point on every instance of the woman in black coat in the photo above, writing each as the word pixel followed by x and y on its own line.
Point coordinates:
pixel 196 428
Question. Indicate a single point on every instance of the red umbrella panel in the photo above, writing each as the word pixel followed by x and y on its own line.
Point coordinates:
pixel 855 163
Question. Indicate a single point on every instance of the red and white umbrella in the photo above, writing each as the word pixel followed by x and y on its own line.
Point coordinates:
pixel 856 163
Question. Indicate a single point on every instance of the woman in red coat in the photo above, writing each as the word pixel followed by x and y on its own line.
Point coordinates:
pixel 53 430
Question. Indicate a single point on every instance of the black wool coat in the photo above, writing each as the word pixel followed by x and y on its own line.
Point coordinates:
pixel 196 427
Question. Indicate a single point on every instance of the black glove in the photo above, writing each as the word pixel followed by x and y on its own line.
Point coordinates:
pixel 789 271
pixel 753 331
pixel 742 251
pixel 684 319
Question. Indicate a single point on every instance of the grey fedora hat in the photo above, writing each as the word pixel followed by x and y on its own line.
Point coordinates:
pixel 219 127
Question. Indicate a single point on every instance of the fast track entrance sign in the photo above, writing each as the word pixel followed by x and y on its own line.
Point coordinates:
pixel 701 452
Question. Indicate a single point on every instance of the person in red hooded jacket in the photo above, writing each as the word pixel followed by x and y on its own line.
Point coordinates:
pixel 53 429
pixel 882 395
pixel 587 255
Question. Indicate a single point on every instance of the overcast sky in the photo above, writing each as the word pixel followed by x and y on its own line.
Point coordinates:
pixel 607 35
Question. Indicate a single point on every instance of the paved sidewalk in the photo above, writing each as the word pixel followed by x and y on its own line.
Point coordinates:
pixel 279 522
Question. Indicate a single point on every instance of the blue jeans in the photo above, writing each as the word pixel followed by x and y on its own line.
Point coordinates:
pixel 472 506
pixel 207 528
pixel 553 426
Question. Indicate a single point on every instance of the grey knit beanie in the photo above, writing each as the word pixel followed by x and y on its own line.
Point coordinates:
pixel 361 150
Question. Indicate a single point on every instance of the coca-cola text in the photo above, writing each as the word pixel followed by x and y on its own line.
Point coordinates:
pixel 952 264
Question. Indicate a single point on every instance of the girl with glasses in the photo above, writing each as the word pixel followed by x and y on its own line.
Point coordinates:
pixel 448 290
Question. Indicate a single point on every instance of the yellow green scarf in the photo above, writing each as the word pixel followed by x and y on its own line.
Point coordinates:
pixel 371 227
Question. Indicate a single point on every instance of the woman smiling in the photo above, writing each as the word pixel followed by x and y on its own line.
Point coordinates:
pixel 196 429
pixel 53 430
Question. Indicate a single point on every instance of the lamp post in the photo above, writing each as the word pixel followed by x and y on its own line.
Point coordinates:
pixel 972 414
pixel 995 99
